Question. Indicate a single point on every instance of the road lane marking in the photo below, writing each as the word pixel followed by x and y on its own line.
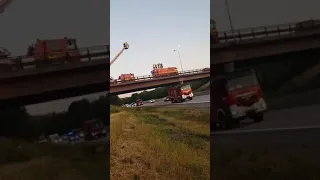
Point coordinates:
pixel 265 130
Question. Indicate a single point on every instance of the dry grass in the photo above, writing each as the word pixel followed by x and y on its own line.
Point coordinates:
pixel 160 143
pixel 254 161
pixel 27 161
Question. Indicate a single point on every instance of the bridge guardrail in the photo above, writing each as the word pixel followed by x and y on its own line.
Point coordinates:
pixel 180 73
pixel 268 31
pixel 18 63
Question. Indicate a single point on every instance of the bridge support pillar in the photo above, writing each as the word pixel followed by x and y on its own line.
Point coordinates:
pixel 229 67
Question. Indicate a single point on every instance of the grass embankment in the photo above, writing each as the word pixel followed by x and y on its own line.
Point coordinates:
pixel 27 161
pixel 252 161
pixel 159 143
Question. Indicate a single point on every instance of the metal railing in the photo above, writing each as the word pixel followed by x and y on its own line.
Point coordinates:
pixel 269 31
pixel 18 63
pixel 149 77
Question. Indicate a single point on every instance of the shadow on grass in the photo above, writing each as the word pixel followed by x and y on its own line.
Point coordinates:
pixel 153 119
pixel 21 160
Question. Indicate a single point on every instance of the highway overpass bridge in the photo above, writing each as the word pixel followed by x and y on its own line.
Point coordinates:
pixel 30 85
pixel 147 82
pixel 253 43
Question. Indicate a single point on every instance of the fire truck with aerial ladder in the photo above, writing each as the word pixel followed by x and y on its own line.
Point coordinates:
pixel 123 77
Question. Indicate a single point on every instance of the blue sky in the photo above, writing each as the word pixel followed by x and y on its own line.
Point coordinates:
pixel 252 13
pixel 154 29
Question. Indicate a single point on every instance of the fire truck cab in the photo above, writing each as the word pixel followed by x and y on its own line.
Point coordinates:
pixel 65 49
pixel 180 93
pixel 236 96
pixel 126 77
pixel 93 129
pixel 139 102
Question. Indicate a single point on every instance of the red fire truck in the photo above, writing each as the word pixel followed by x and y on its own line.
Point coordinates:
pixel 180 93
pixel 236 96
pixel 139 102
pixel 55 50
pixel 93 129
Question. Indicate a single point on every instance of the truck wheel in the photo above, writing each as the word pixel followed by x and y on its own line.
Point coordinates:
pixel 227 122
pixel 223 122
pixel 258 117
pixel 190 98
pixel 179 100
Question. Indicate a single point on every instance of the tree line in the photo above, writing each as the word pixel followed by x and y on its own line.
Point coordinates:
pixel 154 94
pixel 18 123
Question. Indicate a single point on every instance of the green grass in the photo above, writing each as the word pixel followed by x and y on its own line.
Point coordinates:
pixel 170 145
pixel 28 161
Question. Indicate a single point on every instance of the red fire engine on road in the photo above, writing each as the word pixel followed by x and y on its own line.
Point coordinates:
pixel 180 93
pixel 236 96
pixel 139 102
pixel 93 129
pixel 127 77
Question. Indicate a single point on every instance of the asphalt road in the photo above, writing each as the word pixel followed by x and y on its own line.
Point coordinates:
pixel 299 117
pixel 299 125
pixel 310 135
pixel 197 101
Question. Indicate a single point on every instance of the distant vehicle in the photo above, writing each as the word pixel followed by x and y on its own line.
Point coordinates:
pixel 79 133
pixel 152 101
pixel 127 77
pixel 165 99
pixel 133 104
pixel 159 71
pixel 72 136
pixel 54 138
pixel 180 93
pixel 42 139
pixel 93 129
pixel 139 102
pixel 55 51
pixel 206 69
pixel 237 96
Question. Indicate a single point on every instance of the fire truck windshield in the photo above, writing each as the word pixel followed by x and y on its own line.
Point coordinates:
pixel 53 45
pixel 185 87
pixel 241 82
pixel 71 45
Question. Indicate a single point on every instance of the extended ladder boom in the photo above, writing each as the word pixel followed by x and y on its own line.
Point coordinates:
pixel 125 46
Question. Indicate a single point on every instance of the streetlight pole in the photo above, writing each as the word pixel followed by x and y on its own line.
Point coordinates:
pixel 230 19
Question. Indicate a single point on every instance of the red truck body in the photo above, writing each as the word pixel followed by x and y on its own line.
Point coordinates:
pixel 127 77
pixel 93 129
pixel 139 102
pixel 55 49
pixel 180 93
pixel 235 97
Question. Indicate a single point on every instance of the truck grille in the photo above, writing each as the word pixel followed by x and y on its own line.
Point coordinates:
pixel 247 100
